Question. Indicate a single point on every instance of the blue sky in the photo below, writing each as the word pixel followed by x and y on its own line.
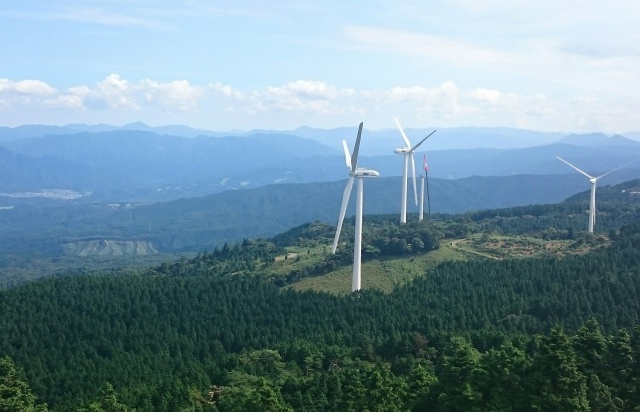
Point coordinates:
pixel 544 65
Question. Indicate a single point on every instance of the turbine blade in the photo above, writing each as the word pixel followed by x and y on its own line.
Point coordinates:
pixel 421 141
pixel 413 172
pixel 347 156
pixel 356 149
pixel 617 168
pixel 404 136
pixel 562 160
pixel 343 210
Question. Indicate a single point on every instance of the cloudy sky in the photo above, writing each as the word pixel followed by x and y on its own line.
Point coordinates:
pixel 544 65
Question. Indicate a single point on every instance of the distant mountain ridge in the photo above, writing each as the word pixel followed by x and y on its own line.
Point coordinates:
pixel 598 140
pixel 446 138
pixel 129 161
pixel 135 163
pixel 24 173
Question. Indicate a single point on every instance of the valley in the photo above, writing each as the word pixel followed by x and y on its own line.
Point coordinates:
pixel 232 300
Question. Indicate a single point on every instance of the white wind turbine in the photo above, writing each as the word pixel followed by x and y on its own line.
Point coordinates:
pixel 407 152
pixel 593 180
pixel 355 173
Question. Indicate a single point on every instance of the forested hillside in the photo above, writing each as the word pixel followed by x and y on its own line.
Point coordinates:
pixel 193 225
pixel 222 332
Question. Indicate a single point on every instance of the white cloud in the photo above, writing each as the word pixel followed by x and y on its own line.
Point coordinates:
pixel 302 102
pixel 67 101
pixel 176 95
pixel 226 90
pixel 26 87
pixel 302 96
pixel 508 101
pixel 112 93
pixel 444 100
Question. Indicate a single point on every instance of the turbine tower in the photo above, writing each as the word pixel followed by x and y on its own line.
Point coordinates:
pixel 355 173
pixel 421 217
pixel 407 152
pixel 424 177
pixel 592 201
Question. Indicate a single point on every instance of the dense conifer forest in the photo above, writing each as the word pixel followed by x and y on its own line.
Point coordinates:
pixel 225 330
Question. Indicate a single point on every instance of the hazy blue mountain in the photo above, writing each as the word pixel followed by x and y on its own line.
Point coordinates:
pixel 628 191
pixel 171 130
pixel 144 167
pixel 31 131
pixel 533 160
pixel 8 134
pixel 632 135
pixel 147 158
pixel 380 142
pixel 457 164
pixel 598 140
pixel 19 173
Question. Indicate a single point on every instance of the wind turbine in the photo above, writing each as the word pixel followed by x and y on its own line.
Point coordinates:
pixel 407 152
pixel 355 173
pixel 593 180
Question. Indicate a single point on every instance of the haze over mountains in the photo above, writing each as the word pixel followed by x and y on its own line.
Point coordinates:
pixel 136 163
pixel 178 188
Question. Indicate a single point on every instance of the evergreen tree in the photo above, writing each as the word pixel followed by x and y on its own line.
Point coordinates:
pixel 557 383
pixel 15 394
pixel 459 374
pixel 108 401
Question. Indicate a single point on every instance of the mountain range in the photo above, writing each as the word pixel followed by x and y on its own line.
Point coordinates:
pixel 136 164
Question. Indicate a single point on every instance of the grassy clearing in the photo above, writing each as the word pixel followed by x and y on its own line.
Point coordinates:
pixel 510 247
pixel 383 274
pixel 297 258
pixel 387 273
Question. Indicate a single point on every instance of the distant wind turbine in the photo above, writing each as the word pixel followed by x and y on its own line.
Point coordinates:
pixel 407 152
pixel 593 180
pixel 355 173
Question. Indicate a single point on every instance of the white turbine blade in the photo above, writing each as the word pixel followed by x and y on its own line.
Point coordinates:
pixel 347 155
pixel 617 168
pixel 413 172
pixel 413 149
pixel 356 149
pixel 343 210
pixel 562 160
pixel 404 136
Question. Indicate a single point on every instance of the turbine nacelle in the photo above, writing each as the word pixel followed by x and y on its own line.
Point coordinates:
pixel 402 150
pixel 364 172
